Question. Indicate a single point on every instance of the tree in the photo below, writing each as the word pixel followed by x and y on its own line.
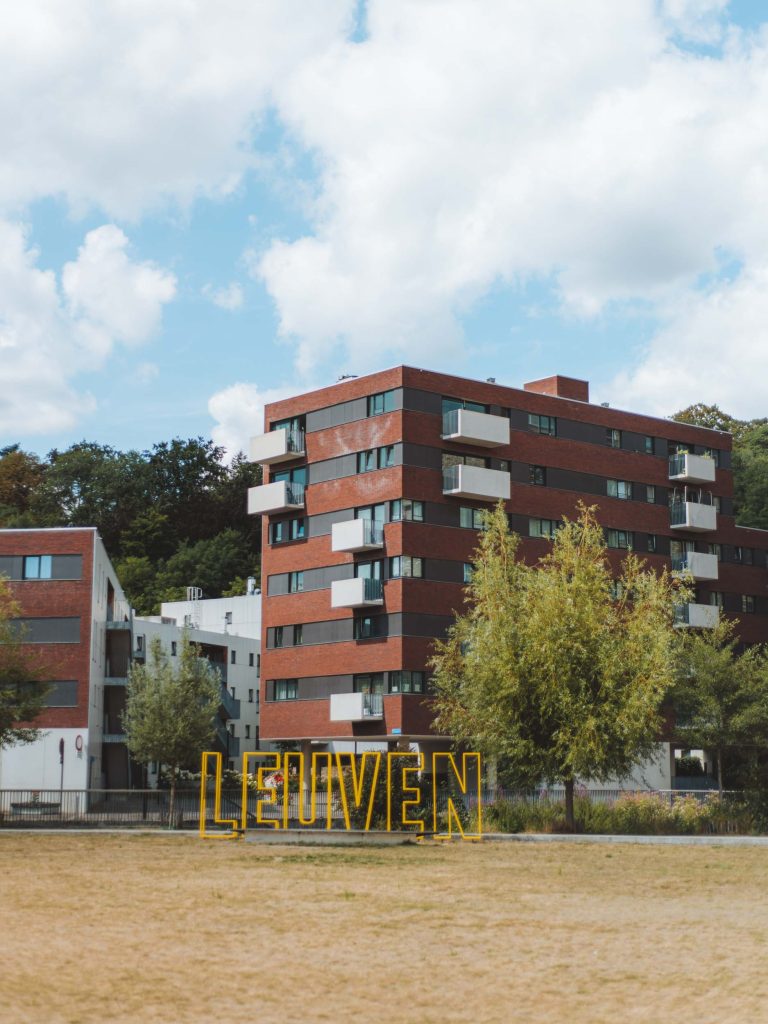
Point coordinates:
pixel 20 475
pixel 169 711
pixel 557 667
pixel 22 695
pixel 720 695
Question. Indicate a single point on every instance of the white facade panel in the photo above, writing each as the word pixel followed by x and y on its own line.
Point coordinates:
pixel 477 428
pixel 477 482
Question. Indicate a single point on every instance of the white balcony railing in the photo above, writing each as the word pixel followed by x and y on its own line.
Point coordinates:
pixel 356 593
pixel 476 482
pixel 697 616
pixel 694 516
pixel 478 428
pixel 699 565
pixel 356 707
pixel 692 469
pixel 357 535
pixel 280 496
pixel 277 446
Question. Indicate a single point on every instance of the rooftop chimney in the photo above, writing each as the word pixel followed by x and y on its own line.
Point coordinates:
pixel 560 387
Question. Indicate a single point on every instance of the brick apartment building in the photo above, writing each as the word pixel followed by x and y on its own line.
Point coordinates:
pixel 371 514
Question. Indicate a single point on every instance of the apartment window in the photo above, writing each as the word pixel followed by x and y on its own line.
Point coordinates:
pixel 250 696
pixel 715 502
pixel 232 691
pixel 650 493
pixel 620 489
pixel 294 423
pixel 542 528
pixel 298 635
pixel 744 555
pixel 258 664
pixel 278 641
pixel 363 627
pixel 747 604
pixel 538 475
pixel 287 529
pixel 716 598
pixel 613 437
pixel 250 661
pixel 649 445
pixel 716 549
pixel 405 508
pixel 619 539
pixel 139 643
pixel 233 657
pixel 374 513
pixel 37 567
pixel 366 461
pixel 468 572
pixel 286 689
pixel 542 424
pixel 369 570
pixel 371 683
pixel 247 732
pixel 449 404
pixel 231 728
pixel 386 456
pixel 173 648
pixel 472 518
pixel 451 459
pixel 295 582
pixel 406 682
pixel 227 618
pixel 712 453
pixel 616 590
pixel 652 543
pixel 406 565
pixel 384 401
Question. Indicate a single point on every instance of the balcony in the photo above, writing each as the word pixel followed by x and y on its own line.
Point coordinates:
pixel 281 496
pixel 356 707
pixel 693 516
pixel 697 616
pixel 229 705
pixel 277 446
pixel 478 428
pixel 699 565
pixel 357 535
pixel 476 482
pixel 692 469
pixel 356 593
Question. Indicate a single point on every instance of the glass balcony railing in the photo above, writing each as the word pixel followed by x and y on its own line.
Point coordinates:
pixel 373 590
pixel 373 705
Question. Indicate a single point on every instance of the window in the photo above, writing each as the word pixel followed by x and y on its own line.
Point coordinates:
pixel 747 604
pixel 538 475
pixel 405 508
pixel 231 728
pixel 716 549
pixel 468 572
pixel 258 664
pixel 372 683
pixel 233 657
pixel 139 643
pixel 406 682
pixel 613 437
pixel 712 453
pixel 542 527
pixel 386 456
pixel 364 627
pixel 287 529
pixel 294 423
pixel 652 543
pixel 716 598
pixel 286 689
pixel 250 696
pixel 298 635
pixel 374 513
pixel 650 493
pixel 232 691
pixel 384 401
pixel 472 518
pixel 649 447
pixel 619 539
pixel 449 404
pixel 278 641
pixel 542 424
pixel 716 502
pixel 250 661
pixel 451 459
pixel 616 589
pixel 247 732
pixel 37 567
pixel 743 555
pixel 406 565
pixel 295 582
pixel 173 648
pixel 366 461
pixel 620 489
pixel 227 618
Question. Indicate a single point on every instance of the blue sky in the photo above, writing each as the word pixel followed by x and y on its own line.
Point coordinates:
pixel 203 208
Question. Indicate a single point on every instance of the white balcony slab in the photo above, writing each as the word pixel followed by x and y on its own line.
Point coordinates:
pixel 356 707
pixel 277 446
pixel 478 428
pixel 701 566
pixel 476 482
pixel 356 593
pixel 280 496
pixel 357 535
pixel 693 516
pixel 692 469
pixel 697 616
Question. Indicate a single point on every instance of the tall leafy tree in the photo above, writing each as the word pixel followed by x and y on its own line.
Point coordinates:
pixel 170 709
pixel 20 476
pixel 557 668
pixel 22 694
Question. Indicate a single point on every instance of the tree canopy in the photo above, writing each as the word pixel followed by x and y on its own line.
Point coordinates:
pixel 558 668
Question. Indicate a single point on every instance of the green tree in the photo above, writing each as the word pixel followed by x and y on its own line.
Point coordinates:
pixel 721 695
pixel 170 709
pixel 557 668
pixel 22 694
pixel 20 476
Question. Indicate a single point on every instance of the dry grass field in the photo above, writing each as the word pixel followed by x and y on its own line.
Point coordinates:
pixel 149 929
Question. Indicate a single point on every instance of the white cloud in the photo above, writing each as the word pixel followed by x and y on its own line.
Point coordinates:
pixel 228 297
pixel 50 333
pixel 147 372
pixel 239 414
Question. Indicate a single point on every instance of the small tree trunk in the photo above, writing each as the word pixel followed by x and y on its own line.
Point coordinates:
pixel 570 821
pixel 720 771
pixel 172 798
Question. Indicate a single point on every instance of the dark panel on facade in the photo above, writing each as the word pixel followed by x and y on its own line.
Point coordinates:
pixel 422 401
pixel 64 630
pixel 62 694
pixel 67 567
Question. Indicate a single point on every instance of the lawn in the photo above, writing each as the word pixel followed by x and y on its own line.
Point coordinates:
pixel 150 929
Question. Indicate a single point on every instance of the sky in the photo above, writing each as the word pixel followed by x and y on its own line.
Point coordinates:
pixel 206 207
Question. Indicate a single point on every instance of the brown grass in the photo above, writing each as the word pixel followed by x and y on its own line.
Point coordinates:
pixel 113 928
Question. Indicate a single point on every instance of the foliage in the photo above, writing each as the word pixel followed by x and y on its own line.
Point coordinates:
pixel 720 695
pixel 170 709
pixel 550 670
pixel 22 694
pixel 689 767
